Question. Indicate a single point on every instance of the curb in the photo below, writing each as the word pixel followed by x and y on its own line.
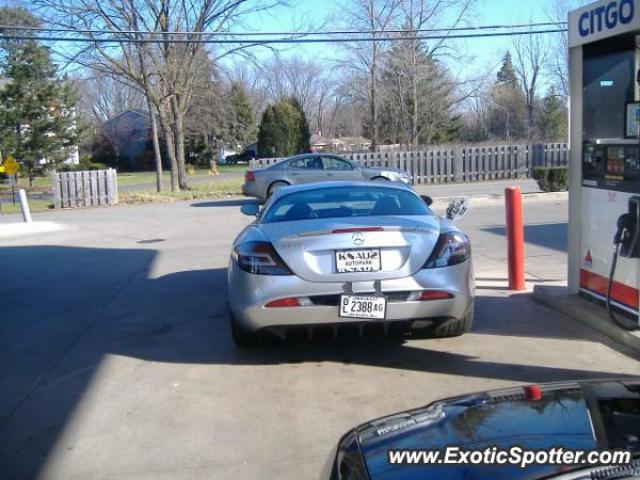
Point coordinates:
pixel 18 229
pixel 582 311
pixel 500 197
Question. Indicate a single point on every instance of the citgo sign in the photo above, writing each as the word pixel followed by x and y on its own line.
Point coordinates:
pixel 603 19
pixel 606 17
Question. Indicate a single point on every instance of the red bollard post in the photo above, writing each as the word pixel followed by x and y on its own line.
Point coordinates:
pixel 515 237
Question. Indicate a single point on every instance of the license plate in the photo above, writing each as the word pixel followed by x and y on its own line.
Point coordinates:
pixel 363 307
pixel 365 260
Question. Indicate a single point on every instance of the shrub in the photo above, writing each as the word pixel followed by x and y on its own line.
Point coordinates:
pixel 68 167
pixel 85 164
pixel 283 130
pixel 88 164
pixel 551 179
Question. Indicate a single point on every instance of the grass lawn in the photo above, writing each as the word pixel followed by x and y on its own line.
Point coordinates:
pixel 128 178
pixel 216 188
pixel 41 184
pixel 243 167
pixel 35 205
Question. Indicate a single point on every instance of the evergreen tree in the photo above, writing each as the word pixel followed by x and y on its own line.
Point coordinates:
pixel 508 107
pixel 278 132
pixel 37 124
pixel 302 143
pixel 507 75
pixel 284 130
pixel 241 127
pixel 417 107
pixel 554 118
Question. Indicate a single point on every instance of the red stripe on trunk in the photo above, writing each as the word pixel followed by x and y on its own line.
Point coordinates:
pixel 357 229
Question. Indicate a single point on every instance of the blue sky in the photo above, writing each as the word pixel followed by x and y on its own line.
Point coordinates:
pixel 483 53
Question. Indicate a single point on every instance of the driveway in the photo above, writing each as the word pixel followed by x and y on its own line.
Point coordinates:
pixel 116 360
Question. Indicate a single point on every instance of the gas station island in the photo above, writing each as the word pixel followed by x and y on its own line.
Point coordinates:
pixel 604 191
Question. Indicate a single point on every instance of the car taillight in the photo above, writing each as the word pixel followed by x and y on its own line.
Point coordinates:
pixel 260 258
pixel 249 176
pixel 451 249
pixel 284 303
pixel 434 295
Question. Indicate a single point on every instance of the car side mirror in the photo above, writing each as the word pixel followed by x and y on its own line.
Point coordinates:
pixel 427 199
pixel 250 209
pixel 457 208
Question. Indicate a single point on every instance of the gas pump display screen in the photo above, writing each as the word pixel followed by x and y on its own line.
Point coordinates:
pixel 615 161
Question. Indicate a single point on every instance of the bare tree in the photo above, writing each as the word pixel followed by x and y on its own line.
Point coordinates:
pixel 347 106
pixel 104 97
pixel 418 60
pixel 508 112
pixel 530 57
pixel 476 117
pixel 205 116
pixel 166 71
pixel 310 82
pixel 558 60
pixel 419 89
pixel 365 57
pixel 251 77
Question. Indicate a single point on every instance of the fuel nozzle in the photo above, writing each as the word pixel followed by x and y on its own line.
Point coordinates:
pixel 623 231
pixel 628 233
pixel 627 244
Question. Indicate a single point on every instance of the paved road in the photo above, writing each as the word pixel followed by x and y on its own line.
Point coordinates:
pixel 116 361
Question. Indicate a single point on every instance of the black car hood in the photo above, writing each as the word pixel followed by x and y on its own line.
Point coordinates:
pixel 585 415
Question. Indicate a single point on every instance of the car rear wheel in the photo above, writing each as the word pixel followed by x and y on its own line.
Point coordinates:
pixel 243 337
pixel 275 186
pixel 455 328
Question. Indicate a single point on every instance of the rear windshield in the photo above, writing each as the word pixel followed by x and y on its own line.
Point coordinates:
pixel 345 202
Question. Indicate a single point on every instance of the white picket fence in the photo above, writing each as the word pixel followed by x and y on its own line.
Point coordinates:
pixel 460 164
pixel 85 189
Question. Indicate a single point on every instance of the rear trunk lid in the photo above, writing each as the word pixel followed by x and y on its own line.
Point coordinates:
pixel 309 247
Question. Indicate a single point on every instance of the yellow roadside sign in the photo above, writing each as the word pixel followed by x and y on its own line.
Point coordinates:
pixel 9 166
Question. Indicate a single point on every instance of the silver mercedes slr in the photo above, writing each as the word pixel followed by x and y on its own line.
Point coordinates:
pixel 349 255
pixel 314 167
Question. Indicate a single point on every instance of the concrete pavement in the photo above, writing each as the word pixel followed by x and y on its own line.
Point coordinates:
pixel 116 361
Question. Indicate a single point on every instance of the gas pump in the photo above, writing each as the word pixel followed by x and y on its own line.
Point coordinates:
pixel 604 192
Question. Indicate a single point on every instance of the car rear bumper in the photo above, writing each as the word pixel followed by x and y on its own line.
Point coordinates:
pixel 248 295
pixel 251 189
